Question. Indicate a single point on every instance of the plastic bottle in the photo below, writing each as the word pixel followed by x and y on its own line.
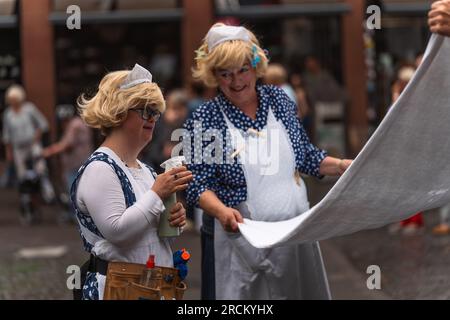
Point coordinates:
pixel 148 275
pixel 164 228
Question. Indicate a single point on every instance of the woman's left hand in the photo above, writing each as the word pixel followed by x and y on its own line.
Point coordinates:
pixel 343 165
pixel 177 215
pixel 331 166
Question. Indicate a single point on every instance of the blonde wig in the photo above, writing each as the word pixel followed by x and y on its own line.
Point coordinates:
pixel 226 55
pixel 108 108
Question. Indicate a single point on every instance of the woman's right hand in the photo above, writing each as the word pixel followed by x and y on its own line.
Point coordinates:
pixel 439 17
pixel 229 219
pixel 172 181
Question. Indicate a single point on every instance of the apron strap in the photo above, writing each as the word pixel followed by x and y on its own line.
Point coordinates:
pixel 88 230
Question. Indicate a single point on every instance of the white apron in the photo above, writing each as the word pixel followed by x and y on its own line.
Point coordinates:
pixel 289 272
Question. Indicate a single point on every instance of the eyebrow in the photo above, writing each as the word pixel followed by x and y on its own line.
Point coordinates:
pixel 229 70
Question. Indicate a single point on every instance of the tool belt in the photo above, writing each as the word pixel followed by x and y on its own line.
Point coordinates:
pixel 122 283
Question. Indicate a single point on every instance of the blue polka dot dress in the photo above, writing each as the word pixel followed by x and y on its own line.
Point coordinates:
pixel 227 179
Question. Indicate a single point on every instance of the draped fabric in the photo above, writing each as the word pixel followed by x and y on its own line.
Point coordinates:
pixel 403 169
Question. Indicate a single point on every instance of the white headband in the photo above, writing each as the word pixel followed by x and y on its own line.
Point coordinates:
pixel 137 76
pixel 217 35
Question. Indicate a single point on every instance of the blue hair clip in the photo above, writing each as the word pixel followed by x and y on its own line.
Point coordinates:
pixel 256 58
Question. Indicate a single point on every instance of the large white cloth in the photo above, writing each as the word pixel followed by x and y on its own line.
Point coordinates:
pixel 404 168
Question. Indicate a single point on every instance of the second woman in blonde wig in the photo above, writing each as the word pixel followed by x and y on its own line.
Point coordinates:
pixel 260 185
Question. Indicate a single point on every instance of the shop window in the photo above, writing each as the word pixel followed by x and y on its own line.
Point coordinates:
pixel 85 5
pixel 403 36
pixel 116 5
pixel 150 5
pixel 84 56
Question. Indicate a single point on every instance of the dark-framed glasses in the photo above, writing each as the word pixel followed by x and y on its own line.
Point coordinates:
pixel 148 113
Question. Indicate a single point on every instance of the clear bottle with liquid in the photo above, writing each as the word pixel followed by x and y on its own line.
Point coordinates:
pixel 149 274
pixel 164 227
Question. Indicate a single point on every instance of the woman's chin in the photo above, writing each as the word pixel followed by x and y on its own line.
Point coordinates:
pixel 147 136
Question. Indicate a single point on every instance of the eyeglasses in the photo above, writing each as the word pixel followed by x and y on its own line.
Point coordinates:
pixel 147 113
pixel 226 74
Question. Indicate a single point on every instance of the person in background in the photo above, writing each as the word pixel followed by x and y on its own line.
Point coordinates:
pixel 404 75
pixel 320 84
pixel 276 75
pixel 197 96
pixel 304 110
pixel 443 228
pixel 8 177
pixel 23 126
pixel 75 147
pixel 160 148
pixel 415 223
pixel 418 60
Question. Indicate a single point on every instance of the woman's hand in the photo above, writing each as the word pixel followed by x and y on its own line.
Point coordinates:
pixel 343 165
pixel 48 152
pixel 229 219
pixel 439 17
pixel 177 216
pixel 172 181
pixel 334 166
pixel 37 136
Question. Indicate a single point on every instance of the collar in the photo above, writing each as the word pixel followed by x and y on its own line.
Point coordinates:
pixel 239 119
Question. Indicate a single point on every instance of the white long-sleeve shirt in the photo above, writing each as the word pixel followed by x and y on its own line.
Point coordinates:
pixel 130 233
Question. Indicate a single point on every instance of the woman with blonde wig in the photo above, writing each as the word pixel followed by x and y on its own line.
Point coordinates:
pixel 256 174
pixel 117 198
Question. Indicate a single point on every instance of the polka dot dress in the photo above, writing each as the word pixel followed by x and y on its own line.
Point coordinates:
pixel 227 179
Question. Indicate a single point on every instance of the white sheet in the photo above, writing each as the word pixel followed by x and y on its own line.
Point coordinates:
pixel 404 168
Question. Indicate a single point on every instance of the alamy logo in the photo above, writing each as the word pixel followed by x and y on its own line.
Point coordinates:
pixel 74 280
pixel 374 280
pixel 74 20
pixel 212 146
pixel 374 21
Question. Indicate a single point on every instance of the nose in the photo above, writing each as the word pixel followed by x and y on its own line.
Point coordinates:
pixel 235 79
pixel 151 120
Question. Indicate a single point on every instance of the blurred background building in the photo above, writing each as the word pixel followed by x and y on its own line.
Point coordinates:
pixel 308 37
